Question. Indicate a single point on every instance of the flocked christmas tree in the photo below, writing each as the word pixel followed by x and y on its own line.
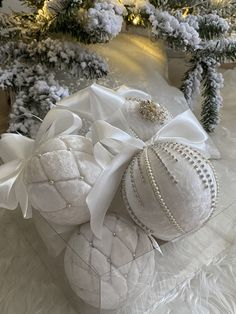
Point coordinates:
pixel 31 50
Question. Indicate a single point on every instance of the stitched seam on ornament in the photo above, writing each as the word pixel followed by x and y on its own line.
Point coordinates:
pixel 54 185
pixel 129 209
pixel 157 194
pixel 111 263
pixel 75 159
pixel 119 239
pixel 87 264
pixel 94 247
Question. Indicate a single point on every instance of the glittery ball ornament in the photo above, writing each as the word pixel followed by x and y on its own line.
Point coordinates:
pixel 145 117
pixel 121 263
pixel 170 189
pixel 59 177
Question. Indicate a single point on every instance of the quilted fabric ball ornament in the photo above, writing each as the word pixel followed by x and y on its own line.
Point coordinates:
pixel 170 189
pixel 121 263
pixel 145 117
pixel 59 177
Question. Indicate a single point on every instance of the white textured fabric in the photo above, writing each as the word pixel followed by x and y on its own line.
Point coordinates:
pixel 116 263
pixel 59 176
pixel 186 183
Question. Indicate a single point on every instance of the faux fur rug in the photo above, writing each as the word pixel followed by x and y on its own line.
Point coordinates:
pixel 211 291
pixel 26 285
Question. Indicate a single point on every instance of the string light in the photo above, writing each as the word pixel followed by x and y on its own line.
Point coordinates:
pixel 186 12
pixel 137 20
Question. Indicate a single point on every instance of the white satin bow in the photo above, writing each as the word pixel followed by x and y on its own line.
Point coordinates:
pixel 114 148
pixel 97 102
pixel 16 149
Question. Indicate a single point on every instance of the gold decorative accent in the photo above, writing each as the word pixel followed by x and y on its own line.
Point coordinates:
pixel 151 111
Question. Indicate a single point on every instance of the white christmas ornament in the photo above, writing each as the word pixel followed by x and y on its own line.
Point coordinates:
pixel 121 263
pixel 59 176
pixel 170 189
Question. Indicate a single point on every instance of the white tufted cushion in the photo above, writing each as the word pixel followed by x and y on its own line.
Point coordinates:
pixel 59 176
pixel 170 189
pixel 119 260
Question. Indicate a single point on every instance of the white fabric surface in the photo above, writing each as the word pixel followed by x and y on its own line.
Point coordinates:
pixel 186 183
pixel 68 162
pixel 123 258
pixel 27 286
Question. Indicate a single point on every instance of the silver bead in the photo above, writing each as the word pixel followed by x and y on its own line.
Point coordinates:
pixel 114 234
pixel 51 182
pixel 68 205
pixel 108 259
pixel 81 178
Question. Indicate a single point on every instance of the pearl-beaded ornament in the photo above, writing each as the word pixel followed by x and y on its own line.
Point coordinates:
pixel 145 117
pixel 170 189
pixel 59 177
pixel 112 270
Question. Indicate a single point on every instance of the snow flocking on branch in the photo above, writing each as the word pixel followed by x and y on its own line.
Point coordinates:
pixel 36 92
pixel 104 21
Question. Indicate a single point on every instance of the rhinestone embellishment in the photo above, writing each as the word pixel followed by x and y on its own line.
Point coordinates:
pixel 152 112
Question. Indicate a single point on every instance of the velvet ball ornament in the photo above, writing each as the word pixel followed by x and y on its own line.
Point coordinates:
pixel 170 189
pixel 145 117
pixel 59 177
pixel 121 263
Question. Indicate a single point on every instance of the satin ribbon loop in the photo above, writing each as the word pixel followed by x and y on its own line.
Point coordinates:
pixel 184 127
pixel 8 175
pixel 56 123
pixel 15 146
pixel 93 103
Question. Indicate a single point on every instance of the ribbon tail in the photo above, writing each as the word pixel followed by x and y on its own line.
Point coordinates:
pixel 23 199
pixel 8 175
pixel 104 190
pixel 156 246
